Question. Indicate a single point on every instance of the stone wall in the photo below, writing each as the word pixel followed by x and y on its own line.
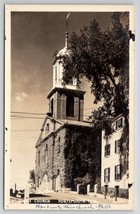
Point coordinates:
pixel 72 152
pixel 58 162
pixel 50 158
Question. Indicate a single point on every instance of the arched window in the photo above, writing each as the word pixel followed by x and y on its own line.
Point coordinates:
pixel 70 106
pixel 47 127
pixel 58 145
pixel 39 158
pixel 55 73
pixel 46 152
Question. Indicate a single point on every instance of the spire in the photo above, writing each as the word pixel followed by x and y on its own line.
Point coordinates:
pixel 66 36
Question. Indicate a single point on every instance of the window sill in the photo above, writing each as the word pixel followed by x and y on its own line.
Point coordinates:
pixel 118 180
pixel 117 152
pixel 70 115
pixel 107 156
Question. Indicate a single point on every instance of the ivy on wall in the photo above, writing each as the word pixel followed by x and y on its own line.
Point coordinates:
pixel 83 155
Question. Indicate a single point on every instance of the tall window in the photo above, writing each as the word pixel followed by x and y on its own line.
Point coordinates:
pixel 118 172
pixel 69 81
pixel 118 146
pixel 51 106
pixel 58 145
pixel 46 152
pixel 119 123
pixel 55 73
pixel 47 127
pixel 107 150
pixel 70 106
pixel 107 175
pixel 38 157
pixel 58 172
pixel 58 148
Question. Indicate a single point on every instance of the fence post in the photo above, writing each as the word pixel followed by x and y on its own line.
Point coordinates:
pixel 95 189
pixel 78 187
pixel 88 189
pixel 106 189
pixel 116 192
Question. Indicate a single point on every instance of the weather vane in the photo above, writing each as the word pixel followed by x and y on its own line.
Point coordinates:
pixel 67 21
pixel 66 40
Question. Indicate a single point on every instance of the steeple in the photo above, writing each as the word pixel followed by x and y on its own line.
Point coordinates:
pixel 66 40
pixel 65 100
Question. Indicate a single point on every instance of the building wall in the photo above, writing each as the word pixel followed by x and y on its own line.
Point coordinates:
pixel 112 160
pixel 50 162
pixel 68 150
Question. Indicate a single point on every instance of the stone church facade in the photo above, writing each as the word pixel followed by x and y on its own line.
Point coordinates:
pixel 57 158
pixel 69 150
pixel 66 147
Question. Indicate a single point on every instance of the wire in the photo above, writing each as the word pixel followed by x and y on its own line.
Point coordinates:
pixel 25 117
pixel 32 113
pixel 36 113
pixel 25 130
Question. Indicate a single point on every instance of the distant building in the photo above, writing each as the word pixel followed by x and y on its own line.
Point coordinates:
pixel 67 148
pixel 115 159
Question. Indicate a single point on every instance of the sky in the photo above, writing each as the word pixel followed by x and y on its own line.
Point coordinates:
pixel 35 36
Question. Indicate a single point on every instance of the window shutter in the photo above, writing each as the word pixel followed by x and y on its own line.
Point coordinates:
pixel 121 122
pixel 120 171
pixel 115 146
pixel 116 125
pixel 121 145
pixel 109 149
pixel 108 174
pixel 115 173
pixel 104 174
pixel 105 150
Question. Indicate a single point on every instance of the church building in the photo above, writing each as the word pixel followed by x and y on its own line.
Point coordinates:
pixel 68 149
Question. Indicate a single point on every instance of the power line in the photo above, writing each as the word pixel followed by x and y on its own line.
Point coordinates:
pixel 32 113
pixel 25 117
pixel 36 113
pixel 18 130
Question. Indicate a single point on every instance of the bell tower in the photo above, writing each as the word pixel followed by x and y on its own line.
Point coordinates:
pixel 66 101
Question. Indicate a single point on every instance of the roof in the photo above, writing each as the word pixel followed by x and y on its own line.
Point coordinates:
pixel 64 51
pixel 77 123
pixel 61 90
pixel 62 122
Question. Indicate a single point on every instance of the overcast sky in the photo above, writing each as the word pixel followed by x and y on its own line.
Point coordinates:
pixel 35 36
